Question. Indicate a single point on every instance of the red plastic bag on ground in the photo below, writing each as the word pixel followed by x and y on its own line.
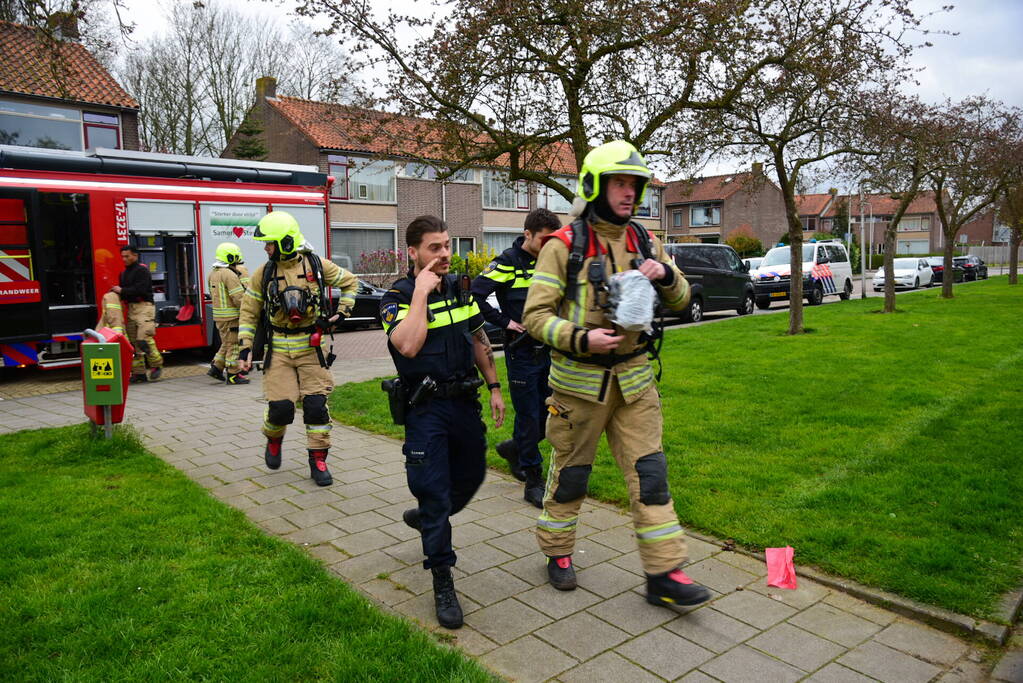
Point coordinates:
pixel 781 573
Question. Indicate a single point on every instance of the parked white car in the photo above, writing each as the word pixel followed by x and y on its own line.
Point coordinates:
pixel 910 273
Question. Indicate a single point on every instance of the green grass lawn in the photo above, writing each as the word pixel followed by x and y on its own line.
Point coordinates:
pixel 117 567
pixel 884 448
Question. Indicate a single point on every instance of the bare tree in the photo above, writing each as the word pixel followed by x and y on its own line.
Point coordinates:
pixel 1010 207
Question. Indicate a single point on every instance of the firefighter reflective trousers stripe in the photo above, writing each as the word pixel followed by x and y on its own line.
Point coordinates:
pixel 142 333
pixel 111 313
pixel 227 354
pixel 293 377
pixel 574 426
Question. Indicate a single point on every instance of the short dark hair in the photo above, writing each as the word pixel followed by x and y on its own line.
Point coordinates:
pixel 421 225
pixel 541 219
pixel 130 248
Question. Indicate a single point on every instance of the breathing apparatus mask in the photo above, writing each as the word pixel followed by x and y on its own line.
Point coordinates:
pixel 294 301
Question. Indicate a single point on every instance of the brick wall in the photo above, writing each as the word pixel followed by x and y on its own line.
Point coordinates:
pixel 130 130
pixel 981 229
pixel 284 143
pixel 759 211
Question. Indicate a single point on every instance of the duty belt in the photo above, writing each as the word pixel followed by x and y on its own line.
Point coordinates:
pixel 457 388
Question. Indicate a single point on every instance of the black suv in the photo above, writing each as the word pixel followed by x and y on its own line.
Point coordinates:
pixel 718 277
pixel 973 267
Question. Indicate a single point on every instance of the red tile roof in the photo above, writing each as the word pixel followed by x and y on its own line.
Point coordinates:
pixel 354 129
pixel 710 188
pixel 30 67
pixel 812 204
pixel 884 205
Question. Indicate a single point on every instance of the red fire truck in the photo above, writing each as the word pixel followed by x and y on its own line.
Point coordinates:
pixel 65 215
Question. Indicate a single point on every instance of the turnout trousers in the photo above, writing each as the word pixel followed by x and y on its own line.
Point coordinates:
pixel 142 333
pixel 574 426
pixel 227 354
pixel 112 313
pixel 527 383
pixel 445 463
pixel 290 378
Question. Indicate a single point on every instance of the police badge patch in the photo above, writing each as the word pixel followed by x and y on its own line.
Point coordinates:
pixel 490 268
pixel 388 313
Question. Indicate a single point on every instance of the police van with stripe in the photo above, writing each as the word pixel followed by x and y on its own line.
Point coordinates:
pixel 827 271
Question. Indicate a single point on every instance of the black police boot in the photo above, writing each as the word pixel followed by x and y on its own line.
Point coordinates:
pixel 318 467
pixel 508 451
pixel 272 454
pixel 561 572
pixel 216 373
pixel 534 486
pixel 411 518
pixel 674 588
pixel 449 612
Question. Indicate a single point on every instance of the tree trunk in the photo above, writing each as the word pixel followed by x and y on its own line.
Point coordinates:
pixel 947 275
pixel 889 268
pixel 1015 237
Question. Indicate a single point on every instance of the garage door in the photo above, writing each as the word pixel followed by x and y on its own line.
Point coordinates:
pixel 913 246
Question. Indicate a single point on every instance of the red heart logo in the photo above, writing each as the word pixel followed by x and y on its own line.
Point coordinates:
pixel 238 232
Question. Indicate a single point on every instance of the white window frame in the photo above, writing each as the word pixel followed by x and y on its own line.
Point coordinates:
pixel 519 189
pixel 334 225
pixel 354 187
pixel 703 207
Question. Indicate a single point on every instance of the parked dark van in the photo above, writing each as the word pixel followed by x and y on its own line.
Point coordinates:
pixel 718 277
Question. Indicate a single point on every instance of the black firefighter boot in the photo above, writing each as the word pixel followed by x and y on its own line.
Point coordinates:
pixel 272 454
pixel 449 612
pixel 507 450
pixel 318 467
pixel 674 588
pixel 534 486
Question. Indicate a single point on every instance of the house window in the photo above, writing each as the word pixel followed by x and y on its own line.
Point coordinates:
pixel 462 245
pixel 414 169
pixel 101 130
pixel 338 168
pixel 914 224
pixel 809 223
pixel 499 193
pixel 37 125
pixel 371 181
pixel 548 198
pixel 705 214
pixel 352 248
pixel 499 240
pixel 676 219
pixel 463 175
pixel 651 205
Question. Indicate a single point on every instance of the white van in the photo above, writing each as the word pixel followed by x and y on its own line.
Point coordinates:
pixel 826 272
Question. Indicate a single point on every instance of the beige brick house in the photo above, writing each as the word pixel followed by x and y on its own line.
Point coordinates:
pixel 62 100
pixel 381 182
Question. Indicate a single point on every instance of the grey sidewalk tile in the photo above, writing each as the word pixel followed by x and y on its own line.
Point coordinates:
pixel 609 667
pixel 416 579
pixel 518 544
pixel 713 630
pixel 476 558
pixel 607 580
pixel 388 468
pixel 365 542
pixel 241 502
pixel 620 538
pixel 491 586
pixel 495 486
pixel 700 550
pixel 494 506
pixel 464 516
pixel 315 535
pixel 354 523
pixel 632 613
pixel 864 610
pixel 888 665
pixel 630 562
pixel 241 474
pixel 527 660
pixel 314 499
pixel 385 591
pixel 422 608
pixel 530 569
pixel 312 516
pixel 233 489
pixel 366 567
pixel 797 647
pixel 393 496
pixel 355 476
pixel 966 671
pixel 836 673
pixel 745 665
pixel 353 464
pixel 665 653
pixel 582 635
pixel 753 608
pixel 394 511
pixel 1010 668
pixel 722 577
pixel 835 624
pixel 471 534
pixel 806 594
pixel 400 530
pixel 602 519
pixel 472 642
pixel 696 677
pixel 505 621
pixel 557 604
pixel 510 522
pixel 362 488
pixel 744 562
pixel 409 552
pixel 354 506
pixel 263 511
pixel 273 495
pixel 922 642
pixel 327 554
pixel 277 526
pixel 392 481
pixel 587 553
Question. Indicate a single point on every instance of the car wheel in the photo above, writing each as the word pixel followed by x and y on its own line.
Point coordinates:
pixel 763 303
pixel 916 283
pixel 815 296
pixel 694 312
pixel 846 291
pixel 746 307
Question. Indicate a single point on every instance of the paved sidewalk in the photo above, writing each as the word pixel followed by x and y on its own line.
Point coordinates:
pixel 515 623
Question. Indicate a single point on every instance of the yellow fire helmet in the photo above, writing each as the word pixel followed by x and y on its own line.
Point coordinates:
pixel 617 157
pixel 229 253
pixel 282 228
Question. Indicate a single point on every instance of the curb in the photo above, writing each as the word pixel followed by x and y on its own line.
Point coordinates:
pixel 943 619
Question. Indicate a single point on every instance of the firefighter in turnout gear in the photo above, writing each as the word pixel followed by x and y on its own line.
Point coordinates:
pixel 227 282
pixel 509 275
pixel 135 288
pixel 601 376
pixel 436 339
pixel 290 293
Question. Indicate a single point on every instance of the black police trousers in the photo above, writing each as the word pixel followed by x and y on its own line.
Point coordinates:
pixel 445 462
pixel 527 383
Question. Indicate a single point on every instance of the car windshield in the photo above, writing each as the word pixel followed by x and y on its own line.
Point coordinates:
pixel 779 256
pixel 960 260
pixel 905 263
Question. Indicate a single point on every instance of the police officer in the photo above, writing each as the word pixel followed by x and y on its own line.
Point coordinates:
pixel 528 362
pixel 436 339
pixel 136 289
pixel 291 293
pixel 227 283
pixel 601 377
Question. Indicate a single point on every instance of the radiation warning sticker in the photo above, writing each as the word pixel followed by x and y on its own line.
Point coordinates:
pixel 388 313
pixel 101 368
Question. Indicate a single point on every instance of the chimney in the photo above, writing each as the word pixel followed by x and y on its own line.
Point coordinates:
pixel 64 25
pixel 758 168
pixel 833 191
pixel 266 87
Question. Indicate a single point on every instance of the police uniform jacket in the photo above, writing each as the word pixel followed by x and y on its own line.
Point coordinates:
pixel 562 322
pixel 510 275
pixel 447 353
pixel 297 272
